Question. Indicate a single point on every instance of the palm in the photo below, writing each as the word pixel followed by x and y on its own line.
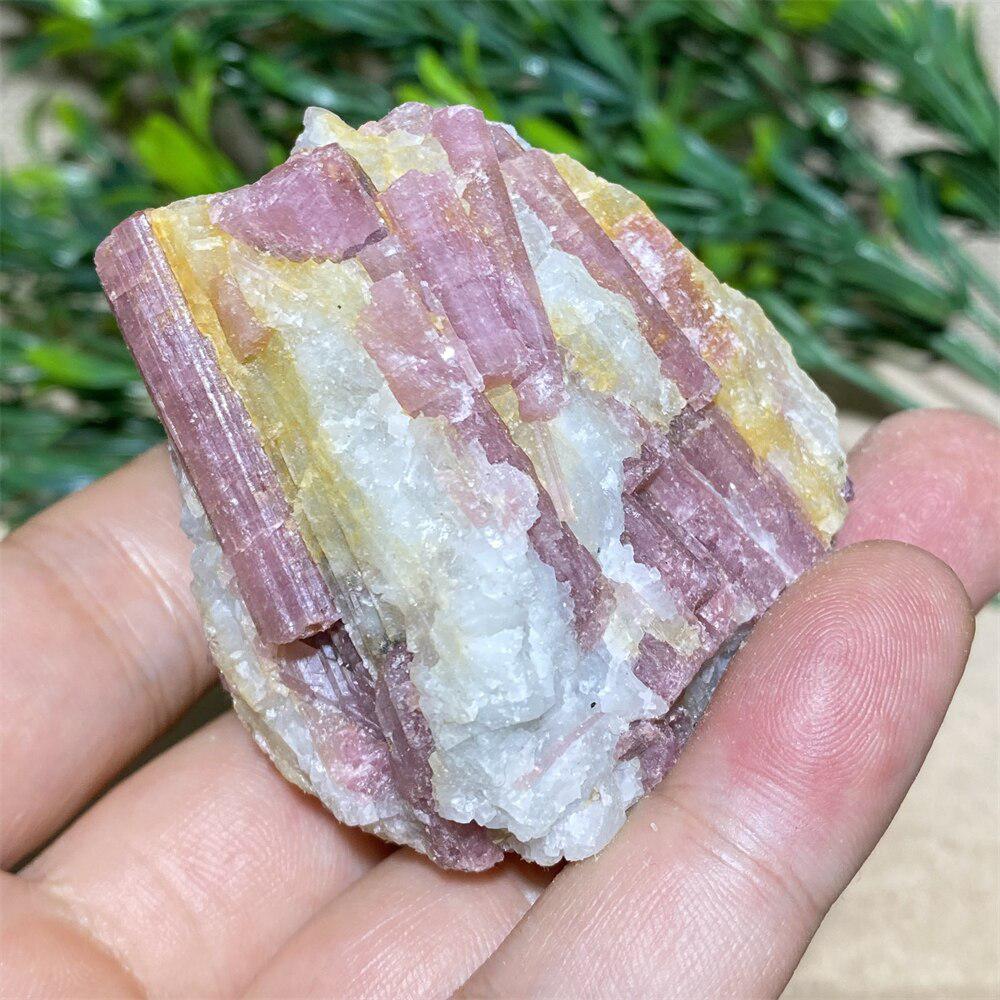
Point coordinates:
pixel 205 874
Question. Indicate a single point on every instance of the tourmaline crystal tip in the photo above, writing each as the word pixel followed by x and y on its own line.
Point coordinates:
pixel 487 475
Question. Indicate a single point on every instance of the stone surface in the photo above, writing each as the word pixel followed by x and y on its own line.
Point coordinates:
pixel 487 475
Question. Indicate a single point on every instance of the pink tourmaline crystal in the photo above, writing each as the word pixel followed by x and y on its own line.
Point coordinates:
pixel 219 448
pixel 487 476
pixel 466 139
pixel 314 207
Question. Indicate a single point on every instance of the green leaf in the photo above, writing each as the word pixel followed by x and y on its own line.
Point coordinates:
pixel 724 260
pixel 807 15
pixel 179 161
pixel 446 88
pixel 471 58
pixel 412 92
pixel 195 102
pixel 550 135
pixel 347 97
pixel 983 366
pixel 28 430
pixel 90 10
pixel 594 34
pixel 440 81
pixel 65 365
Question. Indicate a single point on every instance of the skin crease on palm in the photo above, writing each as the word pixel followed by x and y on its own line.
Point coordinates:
pixel 205 874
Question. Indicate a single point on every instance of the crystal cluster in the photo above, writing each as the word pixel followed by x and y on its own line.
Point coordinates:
pixel 487 475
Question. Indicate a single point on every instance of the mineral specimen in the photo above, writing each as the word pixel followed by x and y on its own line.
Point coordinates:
pixel 487 475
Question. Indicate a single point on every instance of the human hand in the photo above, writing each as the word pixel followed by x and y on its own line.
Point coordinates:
pixel 206 874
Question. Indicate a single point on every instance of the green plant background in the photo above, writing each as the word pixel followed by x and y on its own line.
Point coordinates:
pixel 737 120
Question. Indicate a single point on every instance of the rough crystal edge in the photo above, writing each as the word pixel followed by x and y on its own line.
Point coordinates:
pixel 284 589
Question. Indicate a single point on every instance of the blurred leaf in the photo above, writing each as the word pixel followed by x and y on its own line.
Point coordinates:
pixel 351 98
pixel 86 9
pixel 806 15
pixel 931 47
pixel 195 102
pixel 63 364
pixel 724 260
pixel 550 135
pixel 177 160
pixel 440 81
pixel 718 114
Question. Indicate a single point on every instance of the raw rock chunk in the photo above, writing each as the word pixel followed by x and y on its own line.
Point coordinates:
pixel 487 476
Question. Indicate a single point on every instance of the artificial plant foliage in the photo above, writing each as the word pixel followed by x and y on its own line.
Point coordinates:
pixel 737 120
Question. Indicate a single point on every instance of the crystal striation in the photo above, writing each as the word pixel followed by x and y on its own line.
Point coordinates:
pixel 488 477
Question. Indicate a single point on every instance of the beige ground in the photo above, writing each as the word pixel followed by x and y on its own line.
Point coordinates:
pixel 922 918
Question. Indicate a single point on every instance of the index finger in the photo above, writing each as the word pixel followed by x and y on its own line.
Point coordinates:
pixel 103 646
pixel 717 882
